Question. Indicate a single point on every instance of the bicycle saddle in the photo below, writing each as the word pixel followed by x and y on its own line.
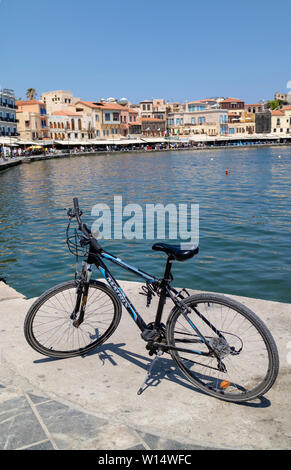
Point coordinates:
pixel 175 252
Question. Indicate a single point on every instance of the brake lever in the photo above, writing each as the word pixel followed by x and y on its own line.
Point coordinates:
pixel 71 213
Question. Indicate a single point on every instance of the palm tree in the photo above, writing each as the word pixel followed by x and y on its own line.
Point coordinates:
pixel 31 93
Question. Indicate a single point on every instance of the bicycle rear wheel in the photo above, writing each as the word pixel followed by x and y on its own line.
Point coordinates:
pixel 49 328
pixel 247 351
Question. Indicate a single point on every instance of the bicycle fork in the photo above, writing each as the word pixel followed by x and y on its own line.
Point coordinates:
pixel 82 295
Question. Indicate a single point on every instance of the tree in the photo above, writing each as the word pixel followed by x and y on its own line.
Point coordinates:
pixel 31 94
pixel 274 104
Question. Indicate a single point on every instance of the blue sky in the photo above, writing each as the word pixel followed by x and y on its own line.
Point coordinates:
pixel 176 50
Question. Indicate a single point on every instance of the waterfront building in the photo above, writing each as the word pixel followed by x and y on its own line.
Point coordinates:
pixel 59 100
pixel 32 117
pixel 281 121
pixel 243 123
pixel 67 125
pixel 153 127
pixel 110 118
pixel 200 105
pixel 254 108
pixel 92 118
pixel 199 121
pixel 232 104
pixel 135 128
pixel 174 107
pixel 146 109
pixel 129 122
pixel 263 122
pixel 8 121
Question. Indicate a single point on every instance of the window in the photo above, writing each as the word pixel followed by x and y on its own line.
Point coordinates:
pixel 115 116
pixel 148 107
pixel 107 116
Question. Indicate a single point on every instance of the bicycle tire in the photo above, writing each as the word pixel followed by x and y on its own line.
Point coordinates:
pixel 249 373
pixel 55 306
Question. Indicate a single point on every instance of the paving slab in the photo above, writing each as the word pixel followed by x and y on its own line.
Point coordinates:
pixel 91 402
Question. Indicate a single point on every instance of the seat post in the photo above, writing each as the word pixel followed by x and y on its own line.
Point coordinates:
pixel 163 293
pixel 168 268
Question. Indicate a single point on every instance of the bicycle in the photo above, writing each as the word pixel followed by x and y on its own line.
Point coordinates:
pixel 219 345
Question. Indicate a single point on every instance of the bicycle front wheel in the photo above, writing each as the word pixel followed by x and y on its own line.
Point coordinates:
pixel 49 327
pixel 242 362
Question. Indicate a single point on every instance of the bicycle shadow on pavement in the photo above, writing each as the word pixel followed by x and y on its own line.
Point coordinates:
pixel 163 369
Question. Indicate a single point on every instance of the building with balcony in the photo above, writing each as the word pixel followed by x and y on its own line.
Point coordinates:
pixel 153 127
pixel 110 118
pixel 32 117
pixel 209 121
pixel 146 109
pixel 8 120
pixel 92 118
pixel 68 125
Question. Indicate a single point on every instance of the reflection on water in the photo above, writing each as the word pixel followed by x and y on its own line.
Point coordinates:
pixel 244 216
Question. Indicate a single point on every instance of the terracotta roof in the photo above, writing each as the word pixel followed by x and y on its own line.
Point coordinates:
pixel 278 112
pixel 87 103
pixel 28 102
pixel 152 119
pixel 113 106
pixel 66 113
pixel 135 123
pixel 229 100
pixel 286 108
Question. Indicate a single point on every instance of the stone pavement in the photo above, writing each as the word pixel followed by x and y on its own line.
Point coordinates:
pixel 91 402
pixel 36 422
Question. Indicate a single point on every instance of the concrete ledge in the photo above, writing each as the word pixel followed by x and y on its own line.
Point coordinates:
pixel 8 293
pixel 104 385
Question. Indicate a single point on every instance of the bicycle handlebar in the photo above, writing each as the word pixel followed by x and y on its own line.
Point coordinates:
pixel 77 210
pixel 83 227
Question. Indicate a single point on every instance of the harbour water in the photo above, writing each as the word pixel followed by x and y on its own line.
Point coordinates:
pixel 244 216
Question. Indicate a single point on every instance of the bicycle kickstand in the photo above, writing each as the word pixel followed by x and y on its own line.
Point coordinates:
pixel 142 387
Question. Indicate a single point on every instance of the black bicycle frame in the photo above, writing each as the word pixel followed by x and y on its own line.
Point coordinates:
pixel 96 259
pixel 165 291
